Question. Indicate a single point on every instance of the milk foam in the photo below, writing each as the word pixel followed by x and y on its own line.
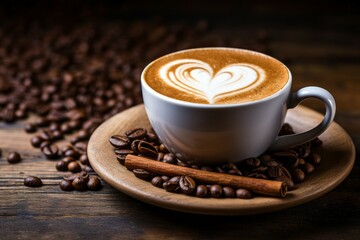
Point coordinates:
pixel 198 78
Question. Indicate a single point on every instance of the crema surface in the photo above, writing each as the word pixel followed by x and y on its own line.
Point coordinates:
pixel 216 75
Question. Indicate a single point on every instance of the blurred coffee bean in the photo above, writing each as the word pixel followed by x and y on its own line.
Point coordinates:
pixel 36 141
pixel 32 181
pixel 307 168
pixel 169 158
pixel 80 183
pixel 252 162
pixel 50 151
pixel 74 167
pixel 172 184
pixel 30 127
pixel 66 185
pixel 297 175
pixel 84 159
pixel 71 177
pixel 94 183
pixel 61 166
pixel 14 157
pixel 314 158
pixel 157 181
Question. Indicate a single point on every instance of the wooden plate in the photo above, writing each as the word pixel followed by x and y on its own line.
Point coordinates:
pixel 338 154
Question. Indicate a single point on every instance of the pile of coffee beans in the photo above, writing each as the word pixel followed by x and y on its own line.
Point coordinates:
pixel 70 78
pixel 80 181
pixel 290 165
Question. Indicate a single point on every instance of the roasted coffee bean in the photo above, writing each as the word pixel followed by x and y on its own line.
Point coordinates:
pixel 157 181
pixel 272 163
pixel 219 169
pixel 264 158
pixel 307 168
pixel 50 151
pixel 30 127
pixel 119 141
pixel 81 146
pixel 21 114
pixel 94 183
pixel 314 158
pixel 297 175
pixel 57 135
pixel 42 122
pixel 54 126
pixel 163 149
pixel 145 148
pixel 80 183
pixel 14 157
pixel 187 184
pixel 181 163
pixel 290 184
pixel 301 161
pixel 123 151
pixel 8 115
pixel 274 172
pixel 165 178
pixel 286 155
pixel 243 193
pixel 65 128
pixel 61 166
pixel 72 153
pixel 252 162
pixel 71 177
pixel 229 192
pixel 88 169
pixel 151 137
pixel 207 168
pixel 66 185
pixel 235 172
pixel 66 148
pixel 46 135
pixel 74 124
pixel 121 159
pixel 141 173
pixel 67 160
pixel 44 144
pixel 169 158
pixel 216 191
pixel 137 133
pixel 260 169
pixel 316 142
pixel 74 167
pixel 201 191
pixel 84 159
pixel 160 156
pixel 36 141
pixel 172 184
pixel 32 181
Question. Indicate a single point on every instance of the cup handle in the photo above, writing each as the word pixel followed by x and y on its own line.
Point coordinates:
pixel 283 142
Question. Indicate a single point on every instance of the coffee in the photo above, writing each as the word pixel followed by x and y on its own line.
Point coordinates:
pixel 216 75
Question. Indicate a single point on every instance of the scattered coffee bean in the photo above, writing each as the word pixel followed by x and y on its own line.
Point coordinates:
pixel 94 183
pixel 187 184
pixel 62 166
pixel 14 157
pixel 72 153
pixel 216 191
pixel 201 191
pixel 30 127
pixel 252 162
pixel 50 151
pixel 145 148
pixel 243 193
pixel 142 174
pixel 229 192
pixel 66 185
pixel 71 177
pixel 169 158
pixel 163 149
pixel 67 160
pixel 88 169
pixel 84 159
pixel 36 141
pixel 74 167
pixel 32 181
pixel 80 183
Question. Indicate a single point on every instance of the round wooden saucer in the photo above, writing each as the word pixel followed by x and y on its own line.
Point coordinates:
pixel 338 157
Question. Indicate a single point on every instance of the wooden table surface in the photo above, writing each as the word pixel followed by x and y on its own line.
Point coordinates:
pixel 319 43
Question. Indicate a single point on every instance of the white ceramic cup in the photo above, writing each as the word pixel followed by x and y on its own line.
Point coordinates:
pixel 216 133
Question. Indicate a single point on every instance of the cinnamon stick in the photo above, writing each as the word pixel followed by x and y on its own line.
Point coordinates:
pixel 261 186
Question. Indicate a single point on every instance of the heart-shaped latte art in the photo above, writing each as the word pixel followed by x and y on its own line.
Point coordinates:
pixel 198 78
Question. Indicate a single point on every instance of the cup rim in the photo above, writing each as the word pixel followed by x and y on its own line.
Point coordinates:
pixel 145 85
